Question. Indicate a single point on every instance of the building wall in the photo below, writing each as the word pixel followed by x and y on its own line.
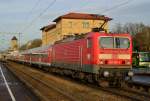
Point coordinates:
pixel 53 35
pixel 14 45
pixel 69 27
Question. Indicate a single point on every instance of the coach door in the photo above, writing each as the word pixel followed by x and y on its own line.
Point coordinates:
pixel 89 50
pixel 53 56
pixel 50 56
pixel 80 57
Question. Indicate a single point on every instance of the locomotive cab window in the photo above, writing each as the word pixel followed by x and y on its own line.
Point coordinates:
pixel 122 42
pixel 89 42
pixel 114 42
pixel 106 42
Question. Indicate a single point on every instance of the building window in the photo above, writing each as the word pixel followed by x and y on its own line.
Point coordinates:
pixel 85 24
pixel 70 24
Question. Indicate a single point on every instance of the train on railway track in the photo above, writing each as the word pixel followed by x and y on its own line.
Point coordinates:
pixel 141 59
pixel 100 57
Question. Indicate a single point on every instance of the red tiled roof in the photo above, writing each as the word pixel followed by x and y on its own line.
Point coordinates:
pixel 48 27
pixel 82 16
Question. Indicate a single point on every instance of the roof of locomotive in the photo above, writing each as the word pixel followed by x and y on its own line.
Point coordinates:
pixel 87 35
pixel 107 34
pixel 90 34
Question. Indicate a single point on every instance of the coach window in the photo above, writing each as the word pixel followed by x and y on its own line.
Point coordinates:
pixel 89 43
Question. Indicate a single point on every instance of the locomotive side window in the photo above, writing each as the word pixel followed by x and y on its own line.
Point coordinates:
pixel 106 42
pixel 89 43
pixel 122 42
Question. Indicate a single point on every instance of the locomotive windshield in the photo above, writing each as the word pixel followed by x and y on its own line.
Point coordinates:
pixel 106 42
pixel 114 42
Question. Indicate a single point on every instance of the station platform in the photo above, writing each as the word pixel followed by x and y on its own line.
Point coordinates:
pixel 142 79
pixel 12 89
pixel 141 71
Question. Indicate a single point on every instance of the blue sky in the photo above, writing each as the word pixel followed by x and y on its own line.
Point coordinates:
pixel 16 15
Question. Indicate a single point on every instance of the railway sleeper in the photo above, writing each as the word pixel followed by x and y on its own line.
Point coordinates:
pixel 139 88
pixel 145 89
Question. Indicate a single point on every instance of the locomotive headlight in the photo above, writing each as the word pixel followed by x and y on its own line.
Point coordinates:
pixel 106 73
pixel 130 73
pixel 101 62
pixel 128 62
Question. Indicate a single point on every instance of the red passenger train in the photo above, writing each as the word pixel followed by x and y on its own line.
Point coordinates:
pixel 96 57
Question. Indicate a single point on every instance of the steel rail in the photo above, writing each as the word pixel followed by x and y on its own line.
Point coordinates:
pixel 122 92
pixel 65 94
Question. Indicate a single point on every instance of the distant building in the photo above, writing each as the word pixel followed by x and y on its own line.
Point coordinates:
pixel 70 24
pixel 14 44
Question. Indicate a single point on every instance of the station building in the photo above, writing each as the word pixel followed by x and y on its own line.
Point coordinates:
pixel 70 24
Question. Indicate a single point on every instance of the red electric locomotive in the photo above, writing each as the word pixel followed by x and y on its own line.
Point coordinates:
pixel 96 57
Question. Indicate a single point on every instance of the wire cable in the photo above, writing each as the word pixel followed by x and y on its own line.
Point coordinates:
pixel 35 19
pixel 32 9
pixel 117 6
pixel 30 12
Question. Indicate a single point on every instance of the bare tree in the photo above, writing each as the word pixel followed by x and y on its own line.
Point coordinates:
pixel 33 44
pixel 139 32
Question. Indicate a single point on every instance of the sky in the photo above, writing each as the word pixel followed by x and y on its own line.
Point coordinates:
pixel 28 16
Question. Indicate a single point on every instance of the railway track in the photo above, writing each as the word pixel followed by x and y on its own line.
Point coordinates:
pixel 123 93
pixel 135 96
pixel 44 88
pixel 140 86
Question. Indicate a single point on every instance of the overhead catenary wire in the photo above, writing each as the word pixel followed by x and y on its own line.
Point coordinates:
pixel 32 9
pixel 36 4
pixel 117 6
pixel 107 10
pixel 30 12
pixel 40 14
pixel 114 7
